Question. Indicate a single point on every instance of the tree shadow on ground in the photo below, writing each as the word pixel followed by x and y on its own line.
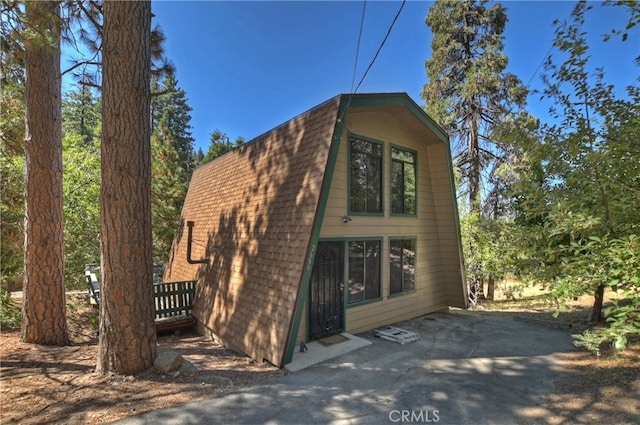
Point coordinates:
pixel 469 368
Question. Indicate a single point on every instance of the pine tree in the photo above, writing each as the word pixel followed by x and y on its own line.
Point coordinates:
pixel 470 95
pixel 172 160
pixel 12 112
pixel 11 170
pixel 168 190
pixel 172 107
pixel 44 305
pixel 219 144
pixel 127 330
pixel 81 114
pixel 468 92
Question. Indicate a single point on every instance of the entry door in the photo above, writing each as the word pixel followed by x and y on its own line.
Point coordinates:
pixel 326 311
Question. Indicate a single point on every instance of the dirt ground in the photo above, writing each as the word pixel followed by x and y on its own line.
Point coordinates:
pixel 59 385
pixel 591 390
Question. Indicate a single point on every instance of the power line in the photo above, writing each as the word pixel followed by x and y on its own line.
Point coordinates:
pixel 544 58
pixel 374 57
pixel 380 48
pixel 355 65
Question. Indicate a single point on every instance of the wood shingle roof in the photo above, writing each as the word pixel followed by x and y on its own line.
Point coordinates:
pixel 257 213
pixel 253 211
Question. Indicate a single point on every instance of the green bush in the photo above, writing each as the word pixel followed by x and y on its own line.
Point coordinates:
pixel 10 314
pixel 592 341
pixel 614 264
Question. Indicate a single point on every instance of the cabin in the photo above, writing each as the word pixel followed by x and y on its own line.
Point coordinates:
pixel 343 219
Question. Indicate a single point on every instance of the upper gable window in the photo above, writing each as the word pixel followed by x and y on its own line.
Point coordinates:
pixel 365 176
pixel 403 181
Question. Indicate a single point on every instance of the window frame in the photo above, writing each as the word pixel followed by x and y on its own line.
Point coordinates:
pixel 347 271
pixel 402 291
pixel 350 177
pixel 391 188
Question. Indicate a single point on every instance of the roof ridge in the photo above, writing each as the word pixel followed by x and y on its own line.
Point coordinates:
pixel 341 97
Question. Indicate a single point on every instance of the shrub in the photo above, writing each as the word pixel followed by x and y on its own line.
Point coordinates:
pixel 10 314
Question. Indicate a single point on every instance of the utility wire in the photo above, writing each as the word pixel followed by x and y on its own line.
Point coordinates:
pixel 381 44
pixel 544 58
pixel 355 65
pixel 374 57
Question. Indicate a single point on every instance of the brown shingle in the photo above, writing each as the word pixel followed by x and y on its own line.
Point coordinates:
pixel 254 210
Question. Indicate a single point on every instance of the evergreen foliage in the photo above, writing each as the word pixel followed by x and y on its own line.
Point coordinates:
pixel 172 161
pixel 81 168
pixel 10 314
pixel 468 92
pixel 11 177
pixel 220 144
pixel 170 109
pixel 473 99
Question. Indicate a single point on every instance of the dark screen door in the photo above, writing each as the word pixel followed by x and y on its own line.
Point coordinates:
pixel 326 311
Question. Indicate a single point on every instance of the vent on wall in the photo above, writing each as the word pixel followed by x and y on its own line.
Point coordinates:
pixel 190 225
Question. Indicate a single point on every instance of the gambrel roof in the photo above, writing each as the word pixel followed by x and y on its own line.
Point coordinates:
pixel 256 214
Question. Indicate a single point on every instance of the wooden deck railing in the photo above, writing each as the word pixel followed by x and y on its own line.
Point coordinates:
pixel 173 302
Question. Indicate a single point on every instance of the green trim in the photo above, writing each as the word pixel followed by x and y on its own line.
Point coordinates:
pixel 399 294
pixel 413 238
pixel 379 239
pixel 398 99
pixel 345 297
pixel 365 302
pixel 361 101
pixel 403 99
pixel 382 179
pixel 456 218
pixel 303 290
pixel 361 214
pixel 332 239
pixel 415 167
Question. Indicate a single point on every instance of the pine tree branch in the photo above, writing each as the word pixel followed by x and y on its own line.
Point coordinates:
pixel 78 65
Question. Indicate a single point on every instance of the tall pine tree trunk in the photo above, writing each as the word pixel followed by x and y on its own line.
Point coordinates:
pixel 473 158
pixel 474 167
pixel 43 309
pixel 127 330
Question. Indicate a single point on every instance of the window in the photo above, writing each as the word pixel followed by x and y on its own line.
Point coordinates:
pixel 364 270
pixel 365 176
pixel 402 261
pixel 403 182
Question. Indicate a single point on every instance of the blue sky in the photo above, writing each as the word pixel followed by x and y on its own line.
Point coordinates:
pixel 247 67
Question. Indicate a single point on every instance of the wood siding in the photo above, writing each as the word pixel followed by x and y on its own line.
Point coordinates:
pixel 437 267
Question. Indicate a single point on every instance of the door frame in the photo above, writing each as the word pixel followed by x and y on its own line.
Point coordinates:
pixel 342 290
